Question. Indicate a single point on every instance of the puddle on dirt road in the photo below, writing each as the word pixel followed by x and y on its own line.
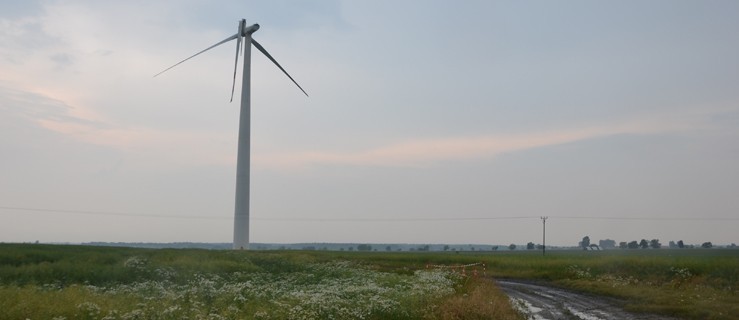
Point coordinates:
pixel 539 302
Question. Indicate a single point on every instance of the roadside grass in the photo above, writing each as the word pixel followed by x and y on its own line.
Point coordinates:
pixel 482 300
pixel 689 284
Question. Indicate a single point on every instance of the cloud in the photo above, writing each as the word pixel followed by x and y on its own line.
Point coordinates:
pixel 429 152
pixel 174 147
pixel 82 72
pixel 152 145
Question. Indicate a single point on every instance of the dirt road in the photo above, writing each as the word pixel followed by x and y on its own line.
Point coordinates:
pixel 540 302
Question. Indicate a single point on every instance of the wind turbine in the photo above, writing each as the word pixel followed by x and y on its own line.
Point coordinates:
pixel 241 210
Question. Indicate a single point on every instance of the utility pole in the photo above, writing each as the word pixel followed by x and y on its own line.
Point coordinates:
pixel 544 235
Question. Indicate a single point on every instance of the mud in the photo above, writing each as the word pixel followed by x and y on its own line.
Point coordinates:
pixel 540 302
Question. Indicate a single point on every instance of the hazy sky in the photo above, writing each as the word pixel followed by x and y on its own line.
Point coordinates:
pixel 427 122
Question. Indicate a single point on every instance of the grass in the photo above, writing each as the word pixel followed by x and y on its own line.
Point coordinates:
pixel 76 282
pixel 690 284
pixel 80 282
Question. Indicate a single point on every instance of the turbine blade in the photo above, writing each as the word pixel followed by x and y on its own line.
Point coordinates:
pixel 259 46
pixel 211 47
pixel 236 64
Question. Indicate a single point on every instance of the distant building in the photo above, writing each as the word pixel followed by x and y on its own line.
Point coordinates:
pixel 607 244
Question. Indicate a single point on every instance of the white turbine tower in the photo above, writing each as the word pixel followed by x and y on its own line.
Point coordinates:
pixel 241 210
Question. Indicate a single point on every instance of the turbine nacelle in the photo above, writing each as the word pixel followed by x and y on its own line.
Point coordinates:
pixel 247 30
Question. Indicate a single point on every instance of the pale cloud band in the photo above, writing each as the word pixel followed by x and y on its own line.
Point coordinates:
pixel 429 152
pixel 422 152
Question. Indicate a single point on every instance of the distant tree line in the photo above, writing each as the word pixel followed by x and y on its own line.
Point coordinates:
pixel 643 244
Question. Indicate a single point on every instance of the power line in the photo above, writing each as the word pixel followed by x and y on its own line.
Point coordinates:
pixel 331 219
pixel 648 218
pixel 110 213
pixel 287 219
pixel 393 219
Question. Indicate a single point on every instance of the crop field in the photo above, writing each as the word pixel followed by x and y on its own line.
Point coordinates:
pixel 85 282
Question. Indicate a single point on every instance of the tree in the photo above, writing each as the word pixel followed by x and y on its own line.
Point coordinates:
pixel 585 242
pixel 633 245
pixel 672 244
pixel 364 247
pixel 446 247
pixel 644 244
pixel 512 247
pixel 623 245
pixel 388 248
pixel 707 245
pixel 680 244
pixel 530 246
pixel 655 244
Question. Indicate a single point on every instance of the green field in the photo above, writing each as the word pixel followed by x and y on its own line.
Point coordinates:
pixel 86 282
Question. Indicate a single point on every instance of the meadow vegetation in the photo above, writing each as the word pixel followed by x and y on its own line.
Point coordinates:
pixel 84 282
pixel 77 282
